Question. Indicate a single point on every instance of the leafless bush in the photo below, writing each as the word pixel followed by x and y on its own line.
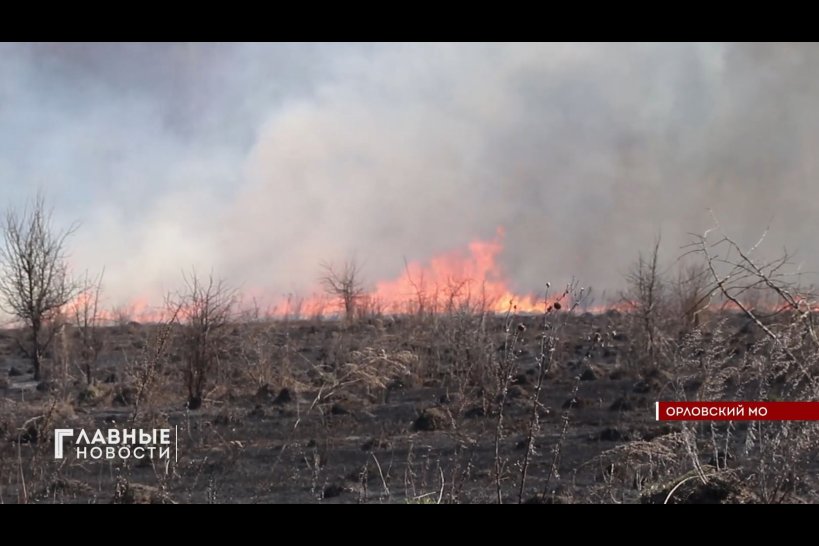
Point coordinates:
pixel 205 310
pixel 345 284
pixel 780 364
pixel 424 304
pixel 146 368
pixel 646 295
pixel 121 315
pixel 86 318
pixel 259 353
pixel 463 356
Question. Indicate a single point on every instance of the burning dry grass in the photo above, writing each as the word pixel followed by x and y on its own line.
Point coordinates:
pixel 457 373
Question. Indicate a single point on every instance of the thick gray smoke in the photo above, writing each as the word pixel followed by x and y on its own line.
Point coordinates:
pixel 260 161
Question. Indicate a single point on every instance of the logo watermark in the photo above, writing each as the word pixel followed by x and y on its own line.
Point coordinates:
pixel 118 444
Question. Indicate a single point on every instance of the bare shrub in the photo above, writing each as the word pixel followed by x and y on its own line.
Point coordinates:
pixel 780 363
pixel 122 315
pixel 646 294
pixel 145 370
pixel 85 311
pixel 260 354
pixel 205 311
pixel 345 284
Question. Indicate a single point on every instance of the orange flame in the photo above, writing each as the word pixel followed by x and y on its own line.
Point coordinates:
pixel 455 280
pixel 458 280
pixel 468 279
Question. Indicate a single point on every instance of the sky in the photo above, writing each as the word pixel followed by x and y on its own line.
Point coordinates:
pixel 260 161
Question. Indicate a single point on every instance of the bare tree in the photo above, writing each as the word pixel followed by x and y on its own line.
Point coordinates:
pixel 646 294
pixel 205 309
pixel 344 284
pixel 34 280
pixel 86 312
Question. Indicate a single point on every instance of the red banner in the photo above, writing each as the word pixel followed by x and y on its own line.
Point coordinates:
pixel 737 411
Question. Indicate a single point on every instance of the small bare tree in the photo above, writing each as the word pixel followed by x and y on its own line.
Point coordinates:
pixel 205 309
pixel 344 284
pixel 646 295
pixel 34 280
pixel 86 312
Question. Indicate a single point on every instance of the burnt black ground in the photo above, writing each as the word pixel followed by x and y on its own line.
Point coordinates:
pixel 252 444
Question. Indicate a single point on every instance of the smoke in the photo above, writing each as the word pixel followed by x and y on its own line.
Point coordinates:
pixel 261 161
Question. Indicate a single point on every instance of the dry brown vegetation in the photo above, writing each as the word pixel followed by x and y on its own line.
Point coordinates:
pixel 445 405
